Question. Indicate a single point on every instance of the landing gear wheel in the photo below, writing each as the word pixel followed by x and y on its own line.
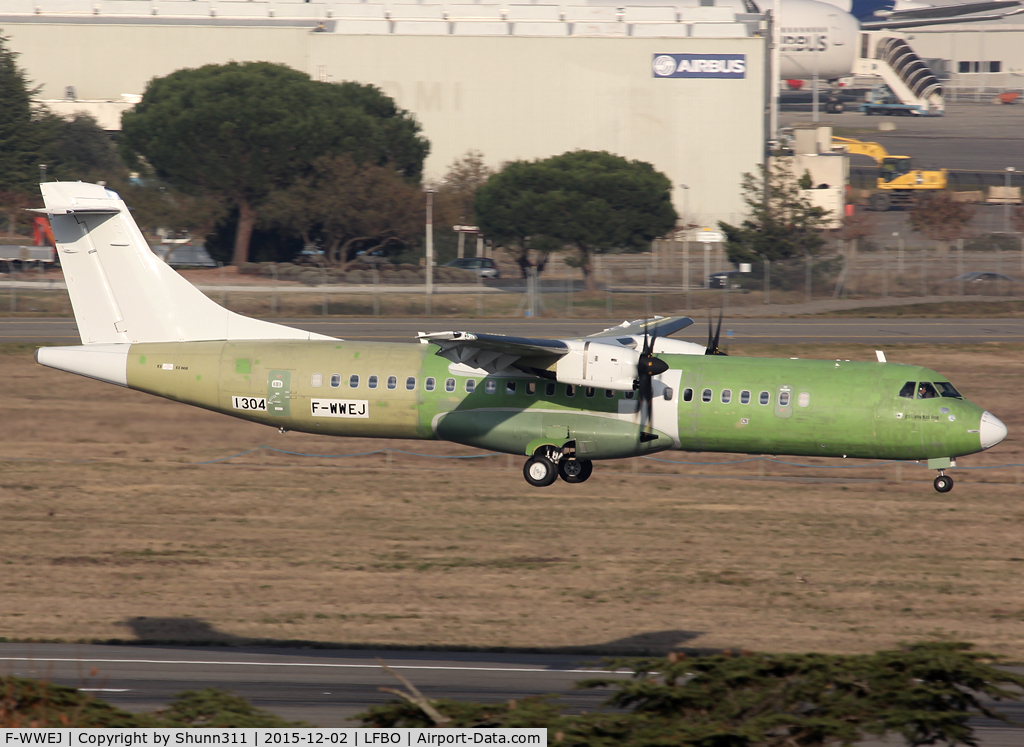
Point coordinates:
pixel 575 470
pixel 835 107
pixel 943 484
pixel 540 472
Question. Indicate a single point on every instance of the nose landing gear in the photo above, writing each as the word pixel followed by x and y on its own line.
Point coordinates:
pixel 943 484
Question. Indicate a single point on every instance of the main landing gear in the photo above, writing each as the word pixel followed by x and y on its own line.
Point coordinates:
pixel 548 464
pixel 943 484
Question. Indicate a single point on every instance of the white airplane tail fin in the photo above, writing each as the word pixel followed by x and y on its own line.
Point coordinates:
pixel 121 291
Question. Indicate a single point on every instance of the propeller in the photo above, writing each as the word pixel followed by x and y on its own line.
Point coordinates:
pixel 712 346
pixel 647 368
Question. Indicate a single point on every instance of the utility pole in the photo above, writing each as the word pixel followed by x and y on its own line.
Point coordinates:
pixel 430 245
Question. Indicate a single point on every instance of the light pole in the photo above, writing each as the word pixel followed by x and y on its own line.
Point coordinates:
pixel 1006 202
pixel 686 242
pixel 430 244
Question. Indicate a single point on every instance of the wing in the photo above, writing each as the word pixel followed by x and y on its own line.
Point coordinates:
pixel 493 353
pixel 659 326
pixel 943 14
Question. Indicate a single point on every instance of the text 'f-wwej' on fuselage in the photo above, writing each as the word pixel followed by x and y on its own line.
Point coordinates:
pixel 622 392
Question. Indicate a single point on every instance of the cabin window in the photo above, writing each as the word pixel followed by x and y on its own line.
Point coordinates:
pixel 510 387
pixel 926 391
pixel 410 383
pixel 609 393
pixel 316 379
pixel 335 380
pixel 491 386
pixel 907 392
pixel 353 381
pixel 372 381
pixel 630 394
pixel 706 395
pixel 471 385
pixel 764 398
pixel 430 383
pixel 726 396
pixel 449 385
pixel 745 397
pixel 590 391
pixel 784 398
pixel 549 389
pixel 804 399
pixel 531 388
pixel 392 382
pixel 570 390
pixel 668 394
pixel 687 395
pixel 947 390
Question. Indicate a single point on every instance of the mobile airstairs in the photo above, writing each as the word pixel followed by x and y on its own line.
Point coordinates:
pixel 887 55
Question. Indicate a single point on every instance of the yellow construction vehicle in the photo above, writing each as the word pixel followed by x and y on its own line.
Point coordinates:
pixel 898 181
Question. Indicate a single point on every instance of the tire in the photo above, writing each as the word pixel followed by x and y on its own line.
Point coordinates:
pixel 838 108
pixel 879 202
pixel 943 484
pixel 540 472
pixel 575 470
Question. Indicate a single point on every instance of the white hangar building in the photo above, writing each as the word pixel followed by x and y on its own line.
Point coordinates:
pixel 682 88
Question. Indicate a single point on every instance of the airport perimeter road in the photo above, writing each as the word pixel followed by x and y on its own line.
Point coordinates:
pixel 734 332
pixel 324 687
pixel 320 687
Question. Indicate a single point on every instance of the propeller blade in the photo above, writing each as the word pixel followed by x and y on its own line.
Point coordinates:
pixel 648 367
pixel 713 339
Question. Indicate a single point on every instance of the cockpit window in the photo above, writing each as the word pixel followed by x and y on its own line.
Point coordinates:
pixel 926 391
pixel 908 390
pixel 948 390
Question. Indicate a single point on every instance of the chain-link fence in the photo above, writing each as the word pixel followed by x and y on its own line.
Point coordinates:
pixel 674 277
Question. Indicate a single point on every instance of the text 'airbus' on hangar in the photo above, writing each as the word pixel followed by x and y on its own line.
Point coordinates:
pixel 682 88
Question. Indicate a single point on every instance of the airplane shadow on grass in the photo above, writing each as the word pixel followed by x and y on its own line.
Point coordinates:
pixel 191 632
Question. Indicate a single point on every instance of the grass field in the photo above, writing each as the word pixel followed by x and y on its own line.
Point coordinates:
pixel 111 530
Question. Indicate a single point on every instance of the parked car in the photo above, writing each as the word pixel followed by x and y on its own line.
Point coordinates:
pixel 719 279
pixel 981 277
pixel 485 267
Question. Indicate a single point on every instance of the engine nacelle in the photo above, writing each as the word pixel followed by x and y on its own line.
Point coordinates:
pixel 599 365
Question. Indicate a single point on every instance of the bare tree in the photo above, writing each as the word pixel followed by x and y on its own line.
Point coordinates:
pixel 349 207
pixel 941 218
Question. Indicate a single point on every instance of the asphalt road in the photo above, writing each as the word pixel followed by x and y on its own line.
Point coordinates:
pixel 972 137
pixel 325 687
pixel 58 331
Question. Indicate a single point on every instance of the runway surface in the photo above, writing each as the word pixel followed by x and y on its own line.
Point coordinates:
pixel 320 687
pixel 324 687
pixel 60 331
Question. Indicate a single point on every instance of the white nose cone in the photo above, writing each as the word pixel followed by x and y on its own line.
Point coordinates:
pixel 992 430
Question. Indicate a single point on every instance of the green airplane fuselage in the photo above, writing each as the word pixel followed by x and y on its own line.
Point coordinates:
pixel 704 403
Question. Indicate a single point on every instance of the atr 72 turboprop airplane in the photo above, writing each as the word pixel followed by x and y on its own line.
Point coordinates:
pixel 624 392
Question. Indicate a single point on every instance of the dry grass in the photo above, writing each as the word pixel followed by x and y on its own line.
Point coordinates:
pixel 136 541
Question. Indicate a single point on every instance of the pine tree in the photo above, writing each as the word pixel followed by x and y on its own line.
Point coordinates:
pixel 19 138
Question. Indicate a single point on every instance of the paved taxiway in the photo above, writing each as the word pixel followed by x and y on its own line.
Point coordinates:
pixel 324 687
pixel 60 331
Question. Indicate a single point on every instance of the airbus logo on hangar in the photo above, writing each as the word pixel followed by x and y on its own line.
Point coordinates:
pixel 700 66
